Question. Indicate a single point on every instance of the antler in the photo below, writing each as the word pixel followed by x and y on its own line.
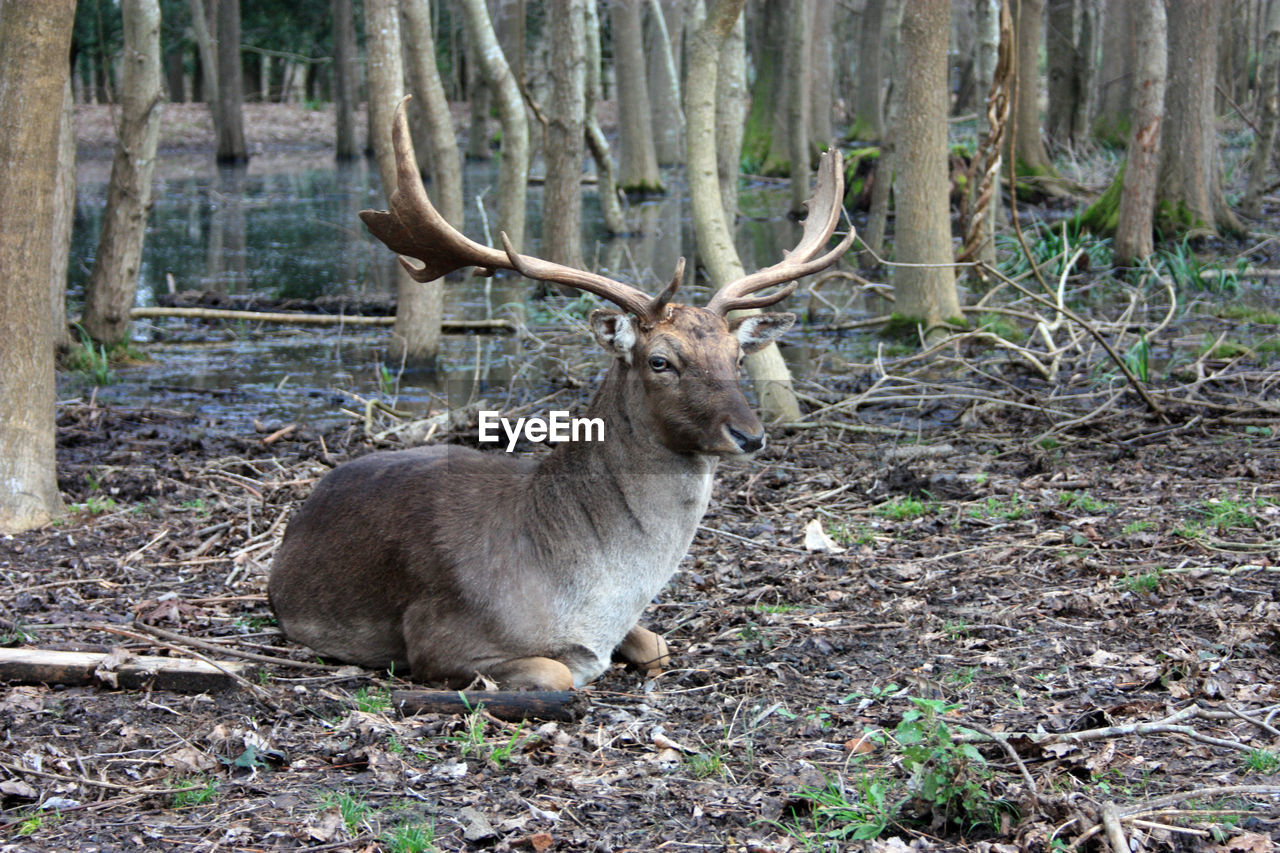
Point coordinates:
pixel 413 228
pixel 825 206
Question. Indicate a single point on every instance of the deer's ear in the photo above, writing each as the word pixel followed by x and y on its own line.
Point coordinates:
pixel 615 331
pixel 757 331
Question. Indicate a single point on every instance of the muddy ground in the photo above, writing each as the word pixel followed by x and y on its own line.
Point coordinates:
pixel 988 587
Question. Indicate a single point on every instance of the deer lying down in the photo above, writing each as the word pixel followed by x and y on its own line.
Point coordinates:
pixel 455 563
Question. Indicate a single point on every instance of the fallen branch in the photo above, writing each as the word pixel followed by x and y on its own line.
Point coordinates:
pixel 449 327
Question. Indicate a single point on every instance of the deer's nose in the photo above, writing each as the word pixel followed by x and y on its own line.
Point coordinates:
pixel 747 443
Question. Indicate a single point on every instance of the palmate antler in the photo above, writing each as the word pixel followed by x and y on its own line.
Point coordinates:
pixel 413 228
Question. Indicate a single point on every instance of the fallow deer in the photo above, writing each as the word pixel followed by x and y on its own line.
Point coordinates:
pixel 457 563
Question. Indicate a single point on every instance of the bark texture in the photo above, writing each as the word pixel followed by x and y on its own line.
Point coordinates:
pixel 1269 100
pixel 715 239
pixel 230 123
pixel 606 175
pixel 1068 40
pixel 208 53
pixel 1189 196
pixel 868 95
pixel 345 88
pixel 924 294
pixel 1111 119
pixel 637 157
pixel 731 109
pixel 1136 217
pixel 113 284
pixel 797 104
pixel 562 220
pixel 64 214
pixel 33 73
pixel 513 173
pixel 666 24
pixel 1029 156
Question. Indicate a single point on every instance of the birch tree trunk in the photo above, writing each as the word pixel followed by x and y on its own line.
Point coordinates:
pixel 924 294
pixel 1136 218
pixel 513 173
pixel 208 53
pixel 731 110
pixel 715 240
pixel 33 74
pixel 562 218
pixel 797 104
pixel 637 157
pixel 442 138
pixel 113 283
pixel 606 179
pixel 1269 100
pixel 667 115
pixel 345 86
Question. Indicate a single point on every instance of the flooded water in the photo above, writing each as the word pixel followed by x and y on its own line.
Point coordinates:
pixel 288 228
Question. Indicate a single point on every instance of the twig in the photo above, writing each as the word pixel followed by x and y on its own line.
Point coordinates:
pixel 233 652
pixel 1115 833
pixel 1013 754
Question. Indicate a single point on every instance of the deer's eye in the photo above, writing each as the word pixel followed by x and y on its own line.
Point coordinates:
pixel 658 364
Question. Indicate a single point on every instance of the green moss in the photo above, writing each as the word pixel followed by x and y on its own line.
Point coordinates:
pixel 1103 216
pixel 861 130
pixel 901 328
pixel 1175 219
pixel 644 188
pixel 1113 133
pixel 1250 315
pixel 859 164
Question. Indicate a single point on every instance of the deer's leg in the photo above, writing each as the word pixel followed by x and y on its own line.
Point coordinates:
pixel 644 649
pixel 532 673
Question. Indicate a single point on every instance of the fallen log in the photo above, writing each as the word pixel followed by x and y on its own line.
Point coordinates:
pixel 449 327
pixel 565 706
pixel 116 669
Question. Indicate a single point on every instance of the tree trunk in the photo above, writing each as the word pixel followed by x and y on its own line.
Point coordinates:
pixel 1269 100
pixel 765 138
pixel 415 337
pixel 715 240
pixel 441 138
pixel 925 295
pixel 667 116
pixel 637 158
pixel 731 109
pixel 113 283
pixel 994 105
pixel 231 144
pixel 64 214
pixel 1064 61
pixel 887 164
pixel 345 84
pixel 1028 157
pixel 562 200
pixel 868 94
pixel 1136 217
pixel 33 74
pixel 797 104
pixel 820 68
pixel 1111 122
pixel 1189 196
pixel 513 174
pixel 606 181
pixel 208 55
pixel 174 71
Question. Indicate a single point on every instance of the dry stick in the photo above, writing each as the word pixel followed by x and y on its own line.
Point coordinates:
pixel 1012 753
pixel 260 694
pixel 1115 833
pixel 448 326
pixel 214 647
pixel 1115 357
pixel 86 780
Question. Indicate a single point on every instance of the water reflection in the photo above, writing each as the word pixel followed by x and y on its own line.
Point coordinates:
pixel 292 232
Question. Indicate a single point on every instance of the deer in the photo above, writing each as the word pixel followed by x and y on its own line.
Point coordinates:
pixel 456 563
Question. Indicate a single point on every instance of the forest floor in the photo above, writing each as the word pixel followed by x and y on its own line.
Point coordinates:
pixel 1104 603
pixel 1040 611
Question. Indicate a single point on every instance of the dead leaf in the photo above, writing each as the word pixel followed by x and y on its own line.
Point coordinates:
pixel 23 700
pixel 1249 842
pixel 539 841
pixel 188 759
pixel 18 788
pixel 817 541
pixel 860 745
pixel 106 669
pixel 325 826
pixel 475 826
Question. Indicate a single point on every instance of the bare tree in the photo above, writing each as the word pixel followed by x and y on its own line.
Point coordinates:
pixel 925 292
pixel 666 24
pixel 562 221
pixel 715 239
pixel 113 283
pixel 764 143
pixel 513 173
pixel 1135 220
pixel 820 68
pixel 441 139
pixel 797 104
pixel 1069 48
pixel 415 338
pixel 868 94
pixel 731 108
pixel 1115 74
pixel 1269 98
pixel 637 157
pixel 606 180
pixel 1189 190
pixel 230 122
pixel 64 212
pixel 33 74
pixel 207 50
pixel 345 89
pixel 1028 158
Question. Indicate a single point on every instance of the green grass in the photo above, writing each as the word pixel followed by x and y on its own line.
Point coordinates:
pixel 90 359
pixel 96 505
pixel 1137 527
pixel 1262 761
pixel 373 701
pixel 1084 502
pixel 354 810
pixel 844 534
pixel 1010 510
pixel 903 509
pixel 410 838
pixel 707 765
pixel 1147 583
pixel 206 791
pixel 1225 514
pixel 1235 311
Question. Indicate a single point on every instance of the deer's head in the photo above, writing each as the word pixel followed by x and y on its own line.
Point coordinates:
pixel 678 365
